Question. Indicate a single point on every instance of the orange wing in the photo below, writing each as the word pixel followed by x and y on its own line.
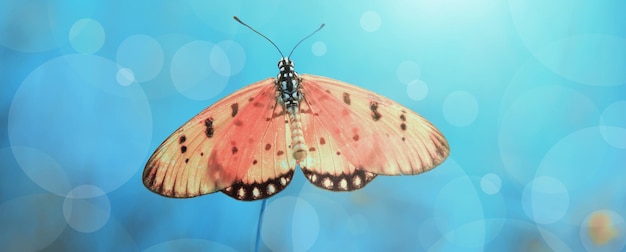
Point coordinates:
pixel 236 145
pixel 354 134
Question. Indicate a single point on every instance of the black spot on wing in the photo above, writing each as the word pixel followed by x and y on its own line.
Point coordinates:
pixel 346 98
pixel 235 109
pixel 403 126
pixel 374 108
pixel 182 139
pixel 235 150
pixel 208 123
pixel 268 146
pixel 183 149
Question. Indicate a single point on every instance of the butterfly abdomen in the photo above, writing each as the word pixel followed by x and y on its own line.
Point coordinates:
pixel 298 146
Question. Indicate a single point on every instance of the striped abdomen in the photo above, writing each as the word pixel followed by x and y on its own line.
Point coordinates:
pixel 298 146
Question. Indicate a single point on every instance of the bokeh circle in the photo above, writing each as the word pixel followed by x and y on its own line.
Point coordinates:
pixel 370 21
pixel 613 124
pixel 460 108
pixel 192 70
pixel 603 230
pixel 86 208
pixel 86 36
pixel 417 90
pixel 70 114
pixel 143 55
pixel 292 218
pixel 545 200
pixel 318 48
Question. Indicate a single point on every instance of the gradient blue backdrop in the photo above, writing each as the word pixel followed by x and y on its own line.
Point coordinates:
pixel 530 94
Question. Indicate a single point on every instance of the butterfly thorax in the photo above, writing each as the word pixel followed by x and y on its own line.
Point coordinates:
pixel 289 96
pixel 288 84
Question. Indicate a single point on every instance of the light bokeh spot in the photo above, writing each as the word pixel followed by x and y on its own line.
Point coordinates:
pixel 370 21
pixel 87 36
pixel 125 76
pixel 417 90
pixel 603 230
pixel 228 53
pixel 490 183
pixel 318 48
pixel 451 222
pixel 72 120
pixel 42 169
pixel 578 152
pixel 298 232
pixel 143 55
pixel 613 124
pixel 86 208
pixel 219 61
pixel 460 108
pixel 537 119
pixel 592 54
pixel 545 200
pixel 408 71
pixel 193 73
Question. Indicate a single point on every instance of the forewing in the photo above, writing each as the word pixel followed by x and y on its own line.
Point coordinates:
pixel 200 157
pixel 353 133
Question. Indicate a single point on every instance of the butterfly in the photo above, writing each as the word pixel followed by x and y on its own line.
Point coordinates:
pixel 248 144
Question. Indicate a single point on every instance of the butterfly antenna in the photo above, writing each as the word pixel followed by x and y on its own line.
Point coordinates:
pixel 241 22
pixel 294 48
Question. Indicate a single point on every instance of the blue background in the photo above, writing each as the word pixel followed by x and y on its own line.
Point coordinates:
pixel 530 94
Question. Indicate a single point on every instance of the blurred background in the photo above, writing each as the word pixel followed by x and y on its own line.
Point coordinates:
pixel 530 94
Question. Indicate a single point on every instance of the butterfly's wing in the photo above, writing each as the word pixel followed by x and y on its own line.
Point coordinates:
pixel 234 145
pixel 354 134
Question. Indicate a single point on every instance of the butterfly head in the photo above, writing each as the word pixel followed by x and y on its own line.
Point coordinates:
pixel 285 65
pixel 287 72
